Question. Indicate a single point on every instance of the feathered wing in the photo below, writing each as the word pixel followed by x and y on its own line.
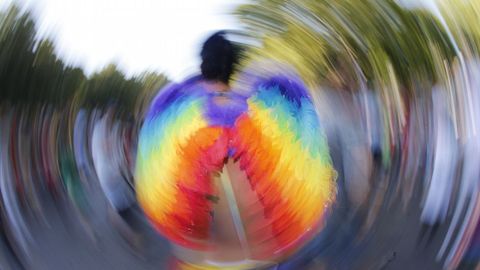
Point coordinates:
pixel 281 147
pixel 178 151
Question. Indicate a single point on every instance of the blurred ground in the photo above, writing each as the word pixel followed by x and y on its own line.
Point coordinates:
pixel 64 243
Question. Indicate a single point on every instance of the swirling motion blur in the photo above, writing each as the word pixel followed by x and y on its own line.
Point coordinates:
pixel 395 83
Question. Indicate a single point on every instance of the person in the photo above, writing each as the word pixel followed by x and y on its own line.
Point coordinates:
pixel 108 162
pixel 225 172
pixel 444 158
pixel 219 57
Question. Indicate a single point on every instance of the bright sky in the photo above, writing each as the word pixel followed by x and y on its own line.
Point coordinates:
pixel 138 35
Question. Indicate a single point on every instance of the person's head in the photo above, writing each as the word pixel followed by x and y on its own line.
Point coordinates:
pixel 218 58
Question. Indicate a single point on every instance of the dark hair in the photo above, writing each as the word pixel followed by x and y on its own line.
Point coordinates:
pixel 218 58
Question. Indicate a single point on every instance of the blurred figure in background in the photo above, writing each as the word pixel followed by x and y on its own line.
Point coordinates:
pixel 108 158
pixel 465 214
pixel 444 157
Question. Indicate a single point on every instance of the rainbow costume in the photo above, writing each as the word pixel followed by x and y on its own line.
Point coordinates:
pixel 270 130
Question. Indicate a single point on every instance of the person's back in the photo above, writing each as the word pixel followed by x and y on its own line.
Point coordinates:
pixel 106 158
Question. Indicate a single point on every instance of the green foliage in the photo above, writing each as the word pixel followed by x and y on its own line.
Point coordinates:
pixel 321 37
pixel 31 73
pixel 16 54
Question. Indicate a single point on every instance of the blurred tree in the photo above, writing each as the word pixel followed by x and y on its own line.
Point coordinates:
pixel 17 32
pixel 109 87
pixel 32 73
pixel 151 83
pixel 461 17
pixel 320 37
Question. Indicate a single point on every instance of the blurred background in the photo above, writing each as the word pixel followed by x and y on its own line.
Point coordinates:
pixel 396 85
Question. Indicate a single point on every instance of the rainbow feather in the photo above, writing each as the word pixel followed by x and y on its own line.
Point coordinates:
pixel 274 135
pixel 281 147
pixel 179 150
